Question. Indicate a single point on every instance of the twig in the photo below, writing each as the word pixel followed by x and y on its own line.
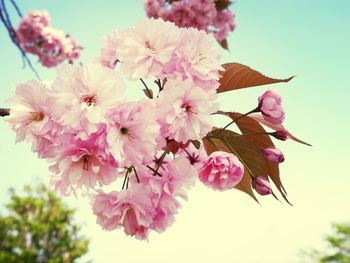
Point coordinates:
pixel 4 112
pixel 5 19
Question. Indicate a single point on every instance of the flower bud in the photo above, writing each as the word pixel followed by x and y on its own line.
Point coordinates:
pixel 271 108
pixel 273 155
pixel 261 185
pixel 280 135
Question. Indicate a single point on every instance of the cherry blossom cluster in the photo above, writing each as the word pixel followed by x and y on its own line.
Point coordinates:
pixel 92 135
pixel 200 14
pixel 51 45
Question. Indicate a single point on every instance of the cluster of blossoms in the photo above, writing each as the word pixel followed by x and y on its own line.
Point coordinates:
pixel 201 14
pixel 92 135
pixel 52 46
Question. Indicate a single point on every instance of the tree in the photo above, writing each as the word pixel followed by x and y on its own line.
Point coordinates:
pixel 338 244
pixel 38 227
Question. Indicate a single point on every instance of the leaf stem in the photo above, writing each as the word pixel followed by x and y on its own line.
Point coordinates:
pixel 235 120
pixel 5 19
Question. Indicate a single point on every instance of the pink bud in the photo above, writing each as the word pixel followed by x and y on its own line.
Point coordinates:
pixel 280 135
pixel 273 155
pixel 262 185
pixel 271 108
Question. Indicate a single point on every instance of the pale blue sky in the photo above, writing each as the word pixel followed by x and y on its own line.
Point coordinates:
pixel 309 39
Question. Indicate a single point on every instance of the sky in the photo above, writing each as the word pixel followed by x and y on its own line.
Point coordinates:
pixel 309 39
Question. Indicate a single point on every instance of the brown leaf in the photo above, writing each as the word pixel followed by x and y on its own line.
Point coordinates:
pixel 223 43
pixel 245 185
pixel 196 144
pixel 248 125
pixel 276 127
pixel 249 154
pixel 238 76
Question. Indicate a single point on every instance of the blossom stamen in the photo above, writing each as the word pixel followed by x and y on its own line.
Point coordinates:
pixel 36 116
pixel 89 99
pixel 188 109
pixel 86 163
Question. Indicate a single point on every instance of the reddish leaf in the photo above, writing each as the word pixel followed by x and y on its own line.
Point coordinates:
pixel 248 125
pixel 245 185
pixel 238 76
pixel 223 43
pixel 249 154
pixel 276 127
pixel 196 144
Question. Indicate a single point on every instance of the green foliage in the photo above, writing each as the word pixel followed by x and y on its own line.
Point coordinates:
pixel 38 227
pixel 338 246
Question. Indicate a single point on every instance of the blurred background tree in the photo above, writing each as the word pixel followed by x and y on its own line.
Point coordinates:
pixel 39 227
pixel 338 247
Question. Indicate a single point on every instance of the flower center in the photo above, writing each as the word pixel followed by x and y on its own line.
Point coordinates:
pixel 36 116
pixel 149 46
pixel 89 99
pixel 86 162
pixel 124 130
pixel 188 108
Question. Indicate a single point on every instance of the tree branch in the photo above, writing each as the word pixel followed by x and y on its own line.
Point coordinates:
pixel 4 112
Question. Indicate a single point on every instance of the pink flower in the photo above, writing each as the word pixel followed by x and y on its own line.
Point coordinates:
pixel 39 17
pixel 109 53
pixel 270 107
pixel 51 45
pixel 180 175
pixel 261 185
pixel 199 14
pixel 174 177
pixel 56 47
pixel 221 171
pixel 30 114
pixel 196 156
pixel 273 155
pixel 197 58
pixel 59 186
pixel 83 163
pixel 131 209
pixel 133 132
pixel 84 95
pixel 224 22
pixel 185 110
pixel 191 13
pixel 146 50
pixel 152 7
